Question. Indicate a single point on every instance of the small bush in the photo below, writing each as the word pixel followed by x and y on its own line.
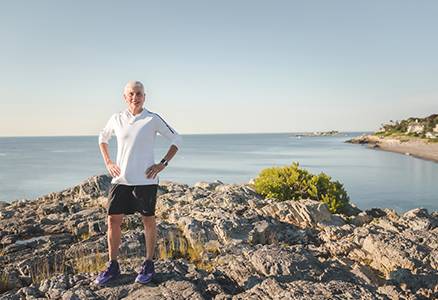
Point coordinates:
pixel 294 183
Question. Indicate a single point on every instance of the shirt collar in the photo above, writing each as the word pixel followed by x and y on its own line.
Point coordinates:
pixel 129 114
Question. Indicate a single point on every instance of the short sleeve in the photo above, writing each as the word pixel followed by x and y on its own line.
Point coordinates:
pixel 107 132
pixel 168 132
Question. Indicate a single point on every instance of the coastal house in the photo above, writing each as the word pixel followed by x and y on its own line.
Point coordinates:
pixel 415 128
pixel 431 135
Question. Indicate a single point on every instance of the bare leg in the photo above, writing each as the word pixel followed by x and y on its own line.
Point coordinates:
pixel 114 235
pixel 150 235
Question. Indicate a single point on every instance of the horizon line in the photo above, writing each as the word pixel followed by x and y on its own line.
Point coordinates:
pixel 186 134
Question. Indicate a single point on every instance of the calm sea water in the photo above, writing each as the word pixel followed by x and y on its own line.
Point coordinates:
pixel 33 166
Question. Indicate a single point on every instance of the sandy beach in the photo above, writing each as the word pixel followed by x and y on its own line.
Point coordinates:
pixel 417 148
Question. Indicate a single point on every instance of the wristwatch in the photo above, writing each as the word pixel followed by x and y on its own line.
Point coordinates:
pixel 164 162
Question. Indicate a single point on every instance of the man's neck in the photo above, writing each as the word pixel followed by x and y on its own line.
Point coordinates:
pixel 134 111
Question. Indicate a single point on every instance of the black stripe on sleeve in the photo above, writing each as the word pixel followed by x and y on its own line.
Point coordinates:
pixel 166 124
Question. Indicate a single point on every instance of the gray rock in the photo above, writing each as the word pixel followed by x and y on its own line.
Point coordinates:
pixel 351 209
pixel 361 219
pixel 273 289
pixel 303 213
pixel 389 252
pixel 261 233
pixel 31 292
pixel 80 293
pixel 419 219
pixel 3 205
pixel 6 214
pixel 218 241
pixel 171 290
pixel 208 185
pixel 197 231
pixel 285 264
pixel 414 282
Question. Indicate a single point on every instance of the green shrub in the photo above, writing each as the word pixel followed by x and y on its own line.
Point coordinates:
pixel 294 183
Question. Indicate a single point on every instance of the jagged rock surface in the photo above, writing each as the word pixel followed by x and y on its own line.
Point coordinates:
pixel 217 241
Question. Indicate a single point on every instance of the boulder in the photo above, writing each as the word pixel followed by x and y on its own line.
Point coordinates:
pixel 302 213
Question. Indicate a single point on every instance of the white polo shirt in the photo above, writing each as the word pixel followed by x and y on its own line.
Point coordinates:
pixel 135 143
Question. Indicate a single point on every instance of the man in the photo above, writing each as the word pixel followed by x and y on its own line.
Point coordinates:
pixel 135 182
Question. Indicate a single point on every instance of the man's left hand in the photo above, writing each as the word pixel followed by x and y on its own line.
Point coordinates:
pixel 153 170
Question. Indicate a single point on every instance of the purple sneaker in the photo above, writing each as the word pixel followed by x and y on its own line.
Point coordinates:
pixel 147 272
pixel 111 272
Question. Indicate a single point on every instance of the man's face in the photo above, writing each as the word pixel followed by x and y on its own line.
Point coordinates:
pixel 134 97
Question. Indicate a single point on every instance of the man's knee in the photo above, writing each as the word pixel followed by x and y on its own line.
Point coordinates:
pixel 115 221
pixel 148 220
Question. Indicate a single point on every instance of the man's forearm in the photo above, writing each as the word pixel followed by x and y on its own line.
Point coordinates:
pixel 105 152
pixel 171 153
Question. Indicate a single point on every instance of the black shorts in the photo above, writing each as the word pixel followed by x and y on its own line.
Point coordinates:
pixel 128 199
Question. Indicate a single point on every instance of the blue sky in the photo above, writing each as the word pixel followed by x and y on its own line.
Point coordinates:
pixel 217 66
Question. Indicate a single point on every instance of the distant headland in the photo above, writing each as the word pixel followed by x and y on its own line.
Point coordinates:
pixel 414 136
pixel 317 133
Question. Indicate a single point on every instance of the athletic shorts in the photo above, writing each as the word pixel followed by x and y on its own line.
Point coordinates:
pixel 129 199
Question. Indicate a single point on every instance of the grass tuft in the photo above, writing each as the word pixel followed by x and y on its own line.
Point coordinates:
pixel 176 246
pixel 91 263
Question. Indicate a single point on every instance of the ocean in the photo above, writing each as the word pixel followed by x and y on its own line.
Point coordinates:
pixel 34 166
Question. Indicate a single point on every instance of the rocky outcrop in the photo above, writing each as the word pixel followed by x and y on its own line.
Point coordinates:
pixel 217 241
pixel 318 133
pixel 411 146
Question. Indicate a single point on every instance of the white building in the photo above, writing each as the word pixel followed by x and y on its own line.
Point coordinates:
pixel 431 135
pixel 415 128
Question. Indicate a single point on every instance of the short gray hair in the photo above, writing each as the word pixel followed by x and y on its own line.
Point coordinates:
pixel 132 84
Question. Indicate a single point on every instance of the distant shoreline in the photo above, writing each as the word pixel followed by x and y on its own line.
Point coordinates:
pixel 415 147
pixel 189 134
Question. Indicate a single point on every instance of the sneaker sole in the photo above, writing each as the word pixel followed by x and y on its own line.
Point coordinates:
pixel 106 281
pixel 143 282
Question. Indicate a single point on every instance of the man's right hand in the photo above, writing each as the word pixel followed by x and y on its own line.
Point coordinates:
pixel 113 169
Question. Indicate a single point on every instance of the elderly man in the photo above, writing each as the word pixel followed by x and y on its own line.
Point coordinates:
pixel 135 181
